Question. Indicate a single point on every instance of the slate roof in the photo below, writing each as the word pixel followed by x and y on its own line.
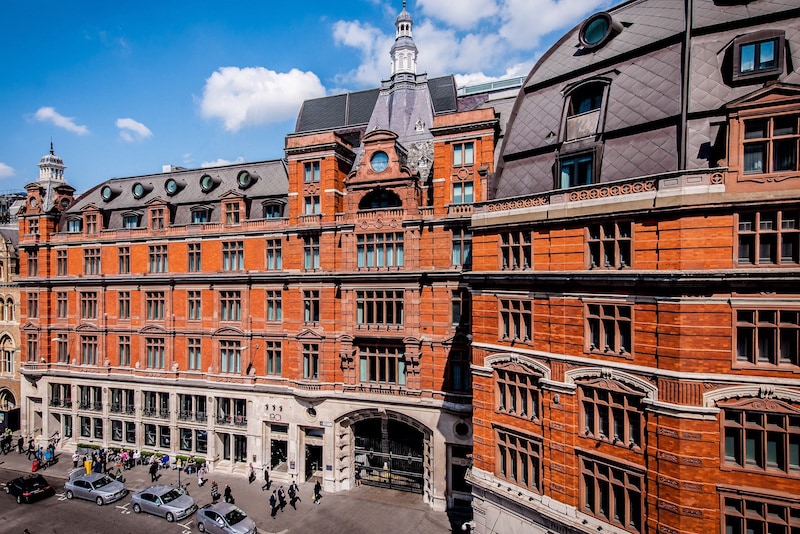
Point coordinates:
pixel 271 182
pixel 643 67
pixel 355 109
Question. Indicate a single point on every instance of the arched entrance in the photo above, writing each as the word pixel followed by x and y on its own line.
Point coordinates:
pixel 390 452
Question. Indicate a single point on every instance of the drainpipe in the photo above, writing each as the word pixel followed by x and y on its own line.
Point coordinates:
pixel 685 66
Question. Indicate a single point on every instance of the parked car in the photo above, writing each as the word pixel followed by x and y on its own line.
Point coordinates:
pixel 30 488
pixel 168 502
pixel 96 487
pixel 224 518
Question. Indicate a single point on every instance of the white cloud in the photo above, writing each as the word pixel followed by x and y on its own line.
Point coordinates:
pixel 373 46
pixel 131 130
pixel 462 14
pixel 49 114
pixel 6 171
pixel 519 28
pixel 255 95
pixel 220 161
pixel 478 40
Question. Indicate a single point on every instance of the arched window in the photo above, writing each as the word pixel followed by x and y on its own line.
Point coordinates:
pixel 380 198
pixel 6 356
pixel 9 312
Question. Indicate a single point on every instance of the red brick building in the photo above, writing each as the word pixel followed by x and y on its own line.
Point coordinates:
pixel 636 305
pixel 307 315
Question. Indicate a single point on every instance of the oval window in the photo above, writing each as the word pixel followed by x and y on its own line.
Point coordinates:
pixel 206 183
pixel 597 30
pixel 171 186
pixel 106 193
pixel 138 190
pixel 245 179
pixel 379 161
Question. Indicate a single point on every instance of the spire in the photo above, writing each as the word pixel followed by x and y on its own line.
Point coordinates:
pixel 404 51
pixel 51 146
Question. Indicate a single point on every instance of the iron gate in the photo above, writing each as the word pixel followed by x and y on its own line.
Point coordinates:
pixel 389 454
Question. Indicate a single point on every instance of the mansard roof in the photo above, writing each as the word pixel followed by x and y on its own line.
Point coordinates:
pixel 355 109
pixel 270 181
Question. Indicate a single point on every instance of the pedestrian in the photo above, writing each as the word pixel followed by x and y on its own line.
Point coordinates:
pixel 20 444
pixel 358 477
pixel 293 495
pixel 31 449
pixel 251 474
pixel 317 492
pixel 229 494
pixel 281 498
pixel 75 459
pixel 201 476
pixel 267 481
pixel 273 504
pixel 153 472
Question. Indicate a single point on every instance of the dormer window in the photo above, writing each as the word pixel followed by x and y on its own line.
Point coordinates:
pixel 91 223
pixel 576 169
pixel 597 30
pixel 758 55
pixel 232 215
pixel 273 211
pixel 173 186
pixel 157 218
pixel 771 144
pixel 74 226
pixel 245 180
pixel 207 183
pixel 380 198
pixel 130 220
pixel 584 110
pixel 139 190
pixel 201 215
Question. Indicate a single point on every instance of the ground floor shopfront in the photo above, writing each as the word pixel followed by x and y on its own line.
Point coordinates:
pixel 409 444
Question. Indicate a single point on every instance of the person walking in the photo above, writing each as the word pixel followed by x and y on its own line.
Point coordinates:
pixel 201 476
pixel 273 504
pixel 153 472
pixel 214 492
pixel 317 492
pixel 281 498
pixel 267 481
pixel 251 474
pixel 20 444
pixel 293 495
pixel 229 494
pixel 31 449
pixel 75 459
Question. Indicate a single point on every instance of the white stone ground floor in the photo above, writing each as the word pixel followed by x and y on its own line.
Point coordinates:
pixel 405 442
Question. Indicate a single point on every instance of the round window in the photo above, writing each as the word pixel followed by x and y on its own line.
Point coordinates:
pixel 462 429
pixel 106 193
pixel 379 161
pixel 138 190
pixel 171 186
pixel 597 30
pixel 244 179
pixel 206 183
pixel 65 202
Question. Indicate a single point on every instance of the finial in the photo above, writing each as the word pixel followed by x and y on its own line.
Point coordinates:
pixel 404 4
pixel 51 146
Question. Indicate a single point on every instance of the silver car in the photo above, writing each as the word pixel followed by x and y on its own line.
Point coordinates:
pixel 224 518
pixel 96 487
pixel 168 502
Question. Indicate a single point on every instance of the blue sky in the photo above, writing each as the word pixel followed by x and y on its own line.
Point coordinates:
pixel 124 88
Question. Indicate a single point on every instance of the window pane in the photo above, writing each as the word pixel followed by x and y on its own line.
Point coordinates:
pixel 747 58
pixel 754 157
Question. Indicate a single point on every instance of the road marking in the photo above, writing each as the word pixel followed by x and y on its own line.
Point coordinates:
pixel 124 508
pixel 62 496
pixel 187 527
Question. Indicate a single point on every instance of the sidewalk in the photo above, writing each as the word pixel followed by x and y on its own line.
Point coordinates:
pixel 364 509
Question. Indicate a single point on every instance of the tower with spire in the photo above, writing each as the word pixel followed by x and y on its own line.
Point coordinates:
pixel 404 51
pixel 51 167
